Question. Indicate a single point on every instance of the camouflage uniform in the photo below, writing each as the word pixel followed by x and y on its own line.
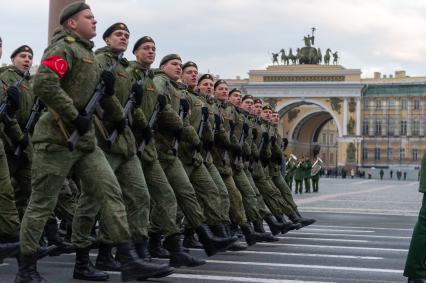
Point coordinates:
pixel 66 91
pixel 163 200
pixel 123 160
pixel 307 166
pixel 289 175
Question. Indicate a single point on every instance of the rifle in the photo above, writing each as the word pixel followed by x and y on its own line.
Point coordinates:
pixel 92 105
pixel 128 109
pixel 243 135
pixel 176 142
pixel 151 122
pixel 203 121
pixel 35 114
pixel 5 105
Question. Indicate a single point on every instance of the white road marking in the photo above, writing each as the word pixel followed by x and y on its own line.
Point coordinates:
pixel 338 230
pixel 324 239
pixel 313 255
pixel 335 247
pixel 357 227
pixel 347 235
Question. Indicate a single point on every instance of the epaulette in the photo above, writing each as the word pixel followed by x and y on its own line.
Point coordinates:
pixel 69 39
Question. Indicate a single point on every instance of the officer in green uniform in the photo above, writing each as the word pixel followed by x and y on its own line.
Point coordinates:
pixel 298 175
pixel 289 173
pixel 163 200
pixel 415 267
pixel 65 82
pixel 175 130
pixel 307 166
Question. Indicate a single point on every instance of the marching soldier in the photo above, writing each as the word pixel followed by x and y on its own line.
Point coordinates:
pixel 164 205
pixel 65 82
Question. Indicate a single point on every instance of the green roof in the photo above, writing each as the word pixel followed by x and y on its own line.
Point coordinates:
pixel 395 90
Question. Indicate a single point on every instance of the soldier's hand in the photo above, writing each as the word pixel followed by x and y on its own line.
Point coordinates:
pixel 13 100
pixel 246 129
pixel 121 125
pixel 273 140
pixel 205 112
pixel 147 133
pixel 82 123
pixel 109 80
pixel 178 133
pixel 265 137
pixel 162 101
pixel 254 133
pixel 209 145
pixel 185 105
pixel 23 143
pixel 217 121
pixel 138 91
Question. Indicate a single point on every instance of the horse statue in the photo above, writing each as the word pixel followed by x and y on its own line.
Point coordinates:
pixel 284 58
pixel 308 55
pixel 291 56
pixel 327 56
pixel 275 58
pixel 335 58
pixel 319 56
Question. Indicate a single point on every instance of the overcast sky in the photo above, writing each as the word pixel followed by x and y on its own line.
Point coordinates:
pixel 231 37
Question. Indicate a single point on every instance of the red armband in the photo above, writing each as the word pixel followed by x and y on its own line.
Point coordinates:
pixel 56 64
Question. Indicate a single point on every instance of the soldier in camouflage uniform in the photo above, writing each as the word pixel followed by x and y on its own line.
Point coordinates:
pixel 298 176
pixel 176 130
pixel 65 82
pixel 289 175
pixel 307 166
pixel 163 200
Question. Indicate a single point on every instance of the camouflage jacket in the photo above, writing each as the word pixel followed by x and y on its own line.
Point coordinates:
pixel 65 82
pixel 222 139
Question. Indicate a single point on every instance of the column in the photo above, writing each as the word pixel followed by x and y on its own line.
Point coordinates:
pixel 422 115
pixel 55 8
pixel 409 120
pixel 385 118
pixel 358 116
pixel 397 118
pixel 372 122
pixel 345 116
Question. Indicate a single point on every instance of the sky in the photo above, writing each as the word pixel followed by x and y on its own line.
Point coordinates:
pixel 230 37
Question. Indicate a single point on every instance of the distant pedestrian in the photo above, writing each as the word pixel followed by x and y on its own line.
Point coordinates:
pixel 405 175
pixel 398 174
pixel 381 174
pixel 391 173
pixel 369 174
pixel 352 173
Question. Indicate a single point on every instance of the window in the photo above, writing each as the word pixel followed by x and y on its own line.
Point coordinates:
pixel 391 103
pixel 364 154
pixel 331 158
pixel 404 104
pixel 365 127
pixel 414 154
pixel 391 127
pixel 378 129
pixel 416 128
pixel 366 103
pixel 324 138
pixel 378 104
pixel 377 154
pixel 416 104
pixel 389 153
pixel 323 157
pixel 331 138
pixel 401 153
pixel 403 129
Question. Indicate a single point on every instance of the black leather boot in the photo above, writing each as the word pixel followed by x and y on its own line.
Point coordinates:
pixel 189 240
pixel 275 226
pixel 105 261
pixel 287 226
pixel 178 257
pixel 296 218
pixel 266 237
pixel 84 269
pixel 155 246
pixel 237 246
pixel 28 269
pixel 211 244
pixel 53 238
pixel 142 250
pixel 9 250
pixel 416 280
pixel 250 235
pixel 132 267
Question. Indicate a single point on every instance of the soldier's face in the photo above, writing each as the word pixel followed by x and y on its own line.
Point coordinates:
pixel 173 69
pixel 266 114
pixel 84 24
pixel 23 61
pixel 275 118
pixel 221 92
pixel 247 104
pixel 257 108
pixel 145 54
pixel 206 87
pixel 235 98
pixel 118 40
pixel 189 76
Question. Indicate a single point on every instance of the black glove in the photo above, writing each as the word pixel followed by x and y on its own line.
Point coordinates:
pixel 109 80
pixel 237 149
pixel 178 133
pixel 185 106
pixel 273 140
pixel 209 145
pixel 41 105
pixel 265 137
pixel 23 143
pixel 162 101
pixel 246 129
pixel 147 133
pixel 121 125
pixel 13 100
pixel 205 112
pixel 217 121
pixel 82 123
pixel 285 143
pixel 231 125
pixel 254 133
pixel 137 89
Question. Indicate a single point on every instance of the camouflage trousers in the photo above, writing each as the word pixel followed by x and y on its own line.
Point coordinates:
pixel 136 199
pixel 248 194
pixel 237 213
pixel 163 200
pixel 224 202
pixel 9 219
pixel 21 182
pixel 51 166
pixel 184 191
pixel 263 209
pixel 281 184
